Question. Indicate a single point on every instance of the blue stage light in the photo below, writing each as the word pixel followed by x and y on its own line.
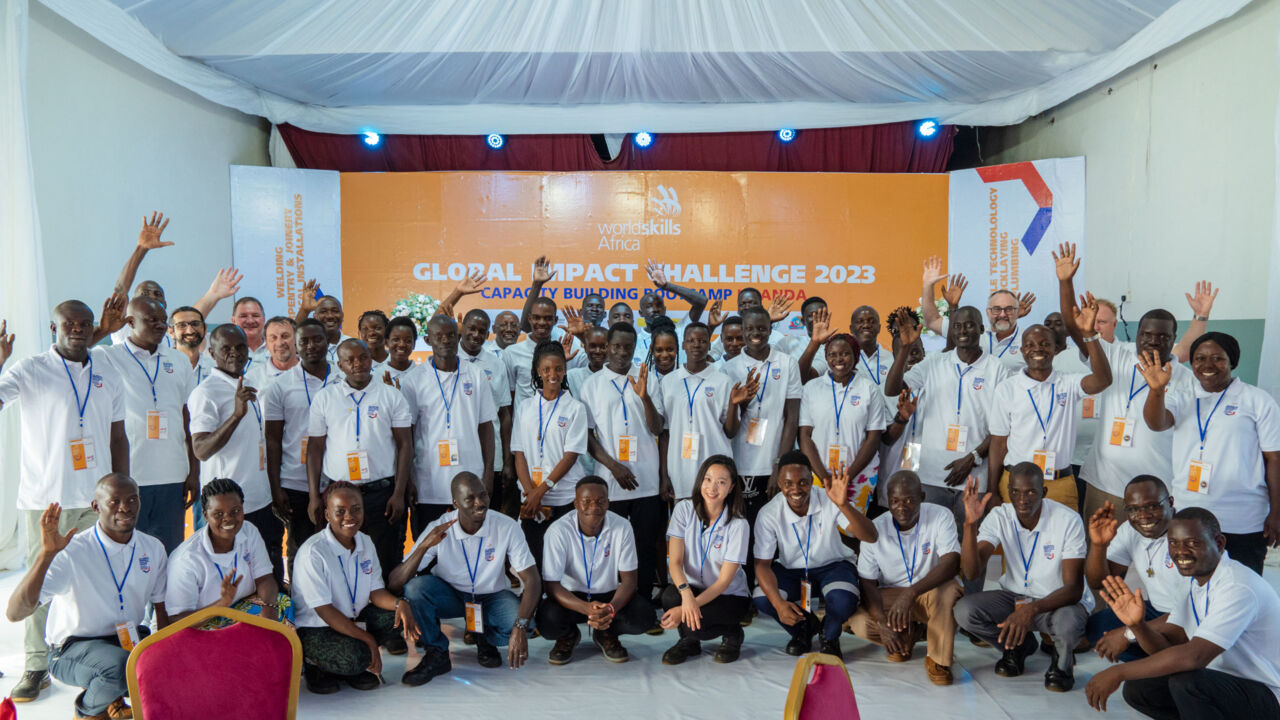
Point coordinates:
pixel 495 141
pixel 927 128
pixel 372 138
pixel 643 139
pixel 786 135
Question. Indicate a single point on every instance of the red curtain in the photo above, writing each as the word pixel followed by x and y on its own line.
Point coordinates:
pixel 894 147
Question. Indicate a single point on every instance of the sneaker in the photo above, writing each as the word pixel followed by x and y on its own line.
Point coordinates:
pixel 30 685
pixel 396 646
pixel 562 652
pixel 487 654
pixel 730 646
pixel 609 644
pixel 1056 679
pixel 364 681
pixel 434 662
pixel 319 682
pixel 832 647
pixel 684 649
pixel 938 674
pixel 118 710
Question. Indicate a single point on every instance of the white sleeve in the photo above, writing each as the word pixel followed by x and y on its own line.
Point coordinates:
pixel 182 592
pixel 1268 423
pixel 736 540
pixel 273 402
pixel 487 410
pixel 1232 614
pixel 627 560
pixel 1073 544
pixel 518 551
pixel 203 411
pixel 311 580
pixel 316 425
pixel 766 539
pixel 576 434
pixel 401 411
pixel 794 388
pixel 998 420
pixel 555 555
pixel 806 406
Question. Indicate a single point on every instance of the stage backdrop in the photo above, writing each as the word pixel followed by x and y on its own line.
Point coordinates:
pixel 853 239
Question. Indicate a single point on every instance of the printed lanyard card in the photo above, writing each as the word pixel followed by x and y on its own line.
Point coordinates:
pixel 836 457
pixel 911 456
pixel 82 455
pixel 1086 408
pixel 535 476
pixel 958 438
pixel 304 449
pixel 690 444
pixel 475 617
pixel 626 446
pixel 447 452
pixel 157 425
pixel 127 634
pixel 358 465
pixel 755 430
pixel 1198 477
pixel 806 596
pixel 262 456
pixel 1044 459
pixel 1122 432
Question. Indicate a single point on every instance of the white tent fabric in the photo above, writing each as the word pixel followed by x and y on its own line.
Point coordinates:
pixel 613 66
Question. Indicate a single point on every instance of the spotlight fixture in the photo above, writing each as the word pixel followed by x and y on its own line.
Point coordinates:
pixel 495 141
pixel 643 139
pixel 927 128
pixel 372 138
pixel 786 135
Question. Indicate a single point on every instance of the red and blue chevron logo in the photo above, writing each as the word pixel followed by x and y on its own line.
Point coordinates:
pixel 1036 187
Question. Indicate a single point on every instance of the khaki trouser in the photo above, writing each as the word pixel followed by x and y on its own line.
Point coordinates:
pixel 1061 490
pixel 33 627
pixel 934 608
pixel 1094 499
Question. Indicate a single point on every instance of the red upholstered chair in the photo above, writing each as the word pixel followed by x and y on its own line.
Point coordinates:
pixel 181 673
pixel 821 689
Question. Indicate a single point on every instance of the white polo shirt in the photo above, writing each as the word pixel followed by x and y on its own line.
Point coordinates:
pixel 898 559
pixel 565 430
pixel 263 374
pixel 800 542
pixel 819 364
pixel 1070 361
pixel 450 406
pixel 697 405
pixel 1150 560
pixel 779 382
pixel 519 361
pixel 325 573
pixel 952 392
pixel 1245 424
pixel 382 369
pixel 875 367
pixel 244 457
pixel 567 553
pixel 708 548
pixel 777 340
pixel 495 371
pixel 842 415
pixel 159 383
pixel 81 587
pixel 1238 611
pixel 123 334
pixel 204 366
pixel 1008 351
pixel 574 380
pixel 333 348
pixel 1033 558
pixel 1015 415
pixel 51 421
pixel 613 411
pixel 289 400
pixel 1110 467
pixel 359 421
pixel 475 564
pixel 196 571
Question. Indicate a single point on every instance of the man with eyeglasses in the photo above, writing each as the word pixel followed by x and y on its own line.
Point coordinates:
pixel 1143 543
pixel 1003 311
pixel 186 327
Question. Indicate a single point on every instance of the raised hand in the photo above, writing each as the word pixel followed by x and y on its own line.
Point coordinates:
pixel 1202 302
pixel 954 290
pixel 227 592
pixel 53 542
pixel 1066 263
pixel 838 485
pixel 471 284
pixel 1125 603
pixel 714 315
pixel 244 396
pixel 974 505
pixel 566 342
pixel 437 534
pixel 1102 526
pixel 657 273
pixel 1086 312
pixel 779 308
pixel 113 313
pixel 906 403
pixel 933 270
pixel 6 342
pixel 445 309
pixel 1025 301
pixel 822 330
pixel 1155 370
pixel 908 330
pixel 149 237
pixel 640 383
pixel 542 272
pixel 574 325
pixel 307 300
pixel 225 283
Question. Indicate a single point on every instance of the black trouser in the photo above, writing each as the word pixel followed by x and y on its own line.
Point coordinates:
pixel 720 616
pixel 300 525
pixel 1202 695
pixel 648 517
pixel 424 514
pixel 534 531
pixel 1248 549
pixel 755 495
pixel 388 539
pixel 272 532
pixel 555 620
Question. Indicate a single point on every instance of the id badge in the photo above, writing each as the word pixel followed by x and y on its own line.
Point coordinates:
pixel 755 430
pixel 262 456
pixel 958 438
pixel 82 455
pixel 690 443
pixel 911 456
pixel 127 634
pixel 1122 432
pixel 835 457
pixel 475 617
pixel 806 596
pixel 626 444
pixel 304 449
pixel 358 465
pixel 157 425
pixel 535 476
pixel 1086 408
pixel 1198 477
pixel 1044 459
pixel 447 452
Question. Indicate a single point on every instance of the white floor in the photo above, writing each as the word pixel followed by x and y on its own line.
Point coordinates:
pixel 755 686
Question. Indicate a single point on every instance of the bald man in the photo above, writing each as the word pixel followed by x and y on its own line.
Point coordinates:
pixel 73 431
pixel 328 310
pixel 506 332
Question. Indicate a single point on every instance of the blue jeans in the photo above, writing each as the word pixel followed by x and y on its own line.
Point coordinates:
pixel 836 583
pixel 432 600
pixel 95 665
pixel 1101 623
pixel 161 513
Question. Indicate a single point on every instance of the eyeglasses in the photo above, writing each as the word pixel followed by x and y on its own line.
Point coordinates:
pixel 1148 508
pixel 1005 310
pixel 194 324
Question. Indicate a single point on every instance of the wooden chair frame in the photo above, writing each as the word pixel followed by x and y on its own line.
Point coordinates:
pixel 800 680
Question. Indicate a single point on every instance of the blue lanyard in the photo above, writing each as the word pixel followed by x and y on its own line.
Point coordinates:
pixel 448 403
pixel 959 389
pixel 543 426
pixel 1044 422
pixel 151 379
pixel 120 583
pixel 622 395
pixel 235 565
pixel 257 412
pixel 876 377
pixel 473 571
pixel 322 382
pixel 1133 378
pixel 764 386
pixel 704 544
pixel 355 579
pixel 991 339
pixel 199 373
pixel 911 569
pixel 1026 559
pixel 1202 427
pixel 357 403
pixel 80 406
pixel 1192 598
pixel 839 404
pixel 582 539
pixel 807 544
pixel 692 395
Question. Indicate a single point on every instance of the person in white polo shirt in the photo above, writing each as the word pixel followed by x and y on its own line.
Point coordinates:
pixel 1226 444
pixel 286 414
pixel 842 416
pixel 372 329
pixel 474 331
pixel 470 548
pixel 343 610
pixel 908 577
pixel 73 432
pixel 282 352
pixel 1141 543
pixel 810 357
pixel 187 328
pixel 402 340
pixel 1032 419
pixel 539 319
pixel 361 432
pixel 1218 656
pixel 227 435
pixel 703 410
pixel 248 315
pixel 800 555
pixel 1042 588
pixel 453 417
pixel 874 360
pixel 157 382
pixel 95 583
pixel 589 572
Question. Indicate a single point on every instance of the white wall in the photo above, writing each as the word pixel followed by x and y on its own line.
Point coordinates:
pixel 111 142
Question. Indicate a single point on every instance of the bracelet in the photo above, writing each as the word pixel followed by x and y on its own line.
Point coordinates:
pixel 612 612
pixel 976 457
pixel 396 608
pixel 1201 318
pixel 1091 338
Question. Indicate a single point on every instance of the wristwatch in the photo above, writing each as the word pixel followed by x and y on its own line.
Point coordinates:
pixel 1128 635
pixel 977 459
pixel 551 484
pixel 522 623
pixel 682 587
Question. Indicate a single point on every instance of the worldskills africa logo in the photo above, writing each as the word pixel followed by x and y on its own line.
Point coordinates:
pixel 1030 177
pixel 667 203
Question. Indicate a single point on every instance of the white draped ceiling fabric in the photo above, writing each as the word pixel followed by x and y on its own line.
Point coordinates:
pixel 615 66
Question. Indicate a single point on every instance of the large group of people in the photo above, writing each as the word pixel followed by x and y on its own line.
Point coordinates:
pixel 636 473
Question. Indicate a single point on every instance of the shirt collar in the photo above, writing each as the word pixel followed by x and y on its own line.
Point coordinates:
pixel 206 541
pixel 459 534
pixel 146 354
pixel 329 537
pixel 791 517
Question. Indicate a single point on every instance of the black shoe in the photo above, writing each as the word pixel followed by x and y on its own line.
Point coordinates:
pixel 655 629
pixel 1012 662
pixel 730 646
pixel 320 682
pixel 751 614
pixel 562 652
pixel 396 646
pixel 364 681
pixel 487 654
pixel 684 649
pixel 434 662
pixel 608 642
pixel 30 685
pixel 1056 679
pixel 832 647
pixel 799 645
pixel 469 638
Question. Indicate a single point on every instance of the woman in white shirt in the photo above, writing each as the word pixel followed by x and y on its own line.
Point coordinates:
pixel 707 543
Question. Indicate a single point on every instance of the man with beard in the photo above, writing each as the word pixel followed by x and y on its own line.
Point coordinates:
pixel 187 330
pixel 282 353
pixel 506 332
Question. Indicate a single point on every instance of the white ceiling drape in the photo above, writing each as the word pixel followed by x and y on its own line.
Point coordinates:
pixel 612 66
